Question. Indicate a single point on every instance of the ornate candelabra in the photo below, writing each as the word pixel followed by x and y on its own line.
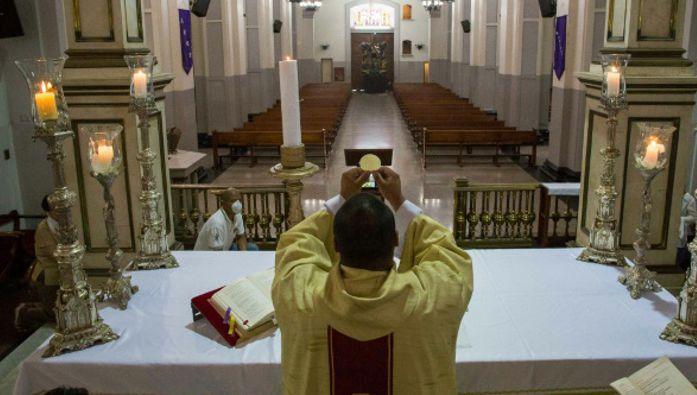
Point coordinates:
pixel 683 328
pixel 78 324
pixel 292 170
pixel 154 250
pixel 105 165
pixel 604 238
pixel 650 157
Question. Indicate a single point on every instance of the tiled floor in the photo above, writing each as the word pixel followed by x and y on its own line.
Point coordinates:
pixel 374 121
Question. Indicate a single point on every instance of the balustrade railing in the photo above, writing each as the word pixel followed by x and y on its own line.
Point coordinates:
pixel 265 211
pixel 512 215
pixel 494 215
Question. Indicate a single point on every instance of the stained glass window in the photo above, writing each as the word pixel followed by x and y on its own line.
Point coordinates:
pixel 372 16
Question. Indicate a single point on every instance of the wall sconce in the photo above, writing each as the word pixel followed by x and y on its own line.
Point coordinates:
pixel 420 46
pixel 324 46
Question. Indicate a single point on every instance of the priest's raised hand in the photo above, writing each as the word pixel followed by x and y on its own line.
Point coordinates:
pixel 351 318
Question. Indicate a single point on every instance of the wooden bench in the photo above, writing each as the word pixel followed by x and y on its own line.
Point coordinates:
pixel 483 138
pixel 317 143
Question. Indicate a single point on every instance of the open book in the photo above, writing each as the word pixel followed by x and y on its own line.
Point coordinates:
pixel 249 301
pixel 661 377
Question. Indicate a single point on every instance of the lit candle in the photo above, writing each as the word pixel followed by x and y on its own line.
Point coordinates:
pixel 46 103
pixel 140 84
pixel 290 102
pixel 653 150
pixel 613 82
pixel 102 159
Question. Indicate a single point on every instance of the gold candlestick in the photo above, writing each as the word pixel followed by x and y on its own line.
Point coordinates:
pixel 105 166
pixel 604 245
pixel 154 250
pixel 683 328
pixel 292 170
pixel 78 324
pixel 650 157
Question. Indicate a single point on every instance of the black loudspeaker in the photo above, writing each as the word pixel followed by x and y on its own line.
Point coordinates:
pixel 548 8
pixel 10 26
pixel 466 26
pixel 277 25
pixel 200 7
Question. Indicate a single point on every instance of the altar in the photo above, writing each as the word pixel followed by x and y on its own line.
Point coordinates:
pixel 538 321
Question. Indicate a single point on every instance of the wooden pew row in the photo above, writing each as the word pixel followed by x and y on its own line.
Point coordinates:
pixel 322 109
pixel 465 139
pixel 318 144
pixel 437 118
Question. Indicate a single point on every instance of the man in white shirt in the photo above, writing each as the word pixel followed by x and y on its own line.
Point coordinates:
pixel 224 230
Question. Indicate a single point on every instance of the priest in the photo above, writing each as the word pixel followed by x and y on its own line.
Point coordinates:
pixel 352 320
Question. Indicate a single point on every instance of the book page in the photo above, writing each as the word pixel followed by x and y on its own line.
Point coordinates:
pixel 661 377
pixel 246 302
pixel 263 281
pixel 625 387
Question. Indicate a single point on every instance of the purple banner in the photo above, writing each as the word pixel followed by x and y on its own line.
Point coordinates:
pixel 560 47
pixel 185 39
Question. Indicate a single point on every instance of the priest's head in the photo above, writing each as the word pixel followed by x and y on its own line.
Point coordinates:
pixel 365 234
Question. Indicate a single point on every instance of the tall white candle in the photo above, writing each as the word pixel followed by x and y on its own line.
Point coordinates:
pixel 290 102
pixel 613 83
pixel 140 84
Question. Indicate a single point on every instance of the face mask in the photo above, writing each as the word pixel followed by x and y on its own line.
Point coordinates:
pixel 237 207
pixel 52 224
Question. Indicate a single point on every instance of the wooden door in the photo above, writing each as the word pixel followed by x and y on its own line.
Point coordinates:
pixel 357 56
pixel 327 70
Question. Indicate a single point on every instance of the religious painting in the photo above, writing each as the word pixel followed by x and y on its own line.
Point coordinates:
pixel 372 16
pixel 339 74
pixel 617 17
pixel 93 21
pixel 406 48
pixel 406 12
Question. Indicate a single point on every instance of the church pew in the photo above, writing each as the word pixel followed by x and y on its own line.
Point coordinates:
pixel 317 143
pixel 483 138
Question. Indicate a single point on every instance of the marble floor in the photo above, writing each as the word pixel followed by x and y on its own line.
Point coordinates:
pixel 374 121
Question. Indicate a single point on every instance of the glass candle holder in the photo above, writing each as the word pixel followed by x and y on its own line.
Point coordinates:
pixel 141 67
pixel 44 79
pixel 104 152
pixel 650 153
pixel 614 89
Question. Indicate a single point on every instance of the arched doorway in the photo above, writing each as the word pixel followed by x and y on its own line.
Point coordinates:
pixel 376 22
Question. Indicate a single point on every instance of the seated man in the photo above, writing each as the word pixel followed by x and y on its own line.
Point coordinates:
pixel 44 274
pixel 354 322
pixel 224 230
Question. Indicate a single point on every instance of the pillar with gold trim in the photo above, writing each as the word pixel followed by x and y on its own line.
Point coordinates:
pixel 661 85
pixel 97 88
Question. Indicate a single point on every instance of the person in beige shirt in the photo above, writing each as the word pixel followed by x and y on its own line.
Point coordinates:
pixel 351 319
pixel 44 275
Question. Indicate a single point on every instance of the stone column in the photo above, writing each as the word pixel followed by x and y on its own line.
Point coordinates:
pixel 180 99
pixel 97 88
pixel 220 58
pixel 460 45
pixel 267 60
pixel 523 79
pixel 661 87
pixel 308 67
pixel 691 39
pixel 483 44
pixel 439 66
pixel 584 35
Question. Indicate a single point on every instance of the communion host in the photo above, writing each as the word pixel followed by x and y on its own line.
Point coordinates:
pixel 353 321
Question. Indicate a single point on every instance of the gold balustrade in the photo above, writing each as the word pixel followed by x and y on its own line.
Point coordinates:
pixel 511 215
pixel 265 211
pixel 494 215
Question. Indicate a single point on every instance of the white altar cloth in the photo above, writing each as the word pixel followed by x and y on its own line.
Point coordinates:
pixel 538 320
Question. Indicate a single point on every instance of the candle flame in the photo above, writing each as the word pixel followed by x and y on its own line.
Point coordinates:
pixel 43 86
pixel 287 57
